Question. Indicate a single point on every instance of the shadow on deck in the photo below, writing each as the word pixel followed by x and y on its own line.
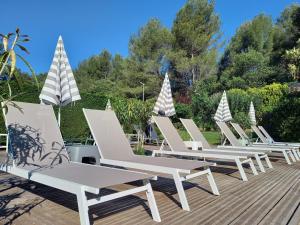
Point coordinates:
pixel 269 198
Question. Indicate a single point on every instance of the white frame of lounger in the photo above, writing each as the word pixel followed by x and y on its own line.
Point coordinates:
pixel 294 149
pixel 237 159
pixel 268 136
pixel 80 191
pixel 263 149
pixel 285 152
pixel 258 155
pixel 259 132
pixel 171 171
pixel 198 154
pixel 175 172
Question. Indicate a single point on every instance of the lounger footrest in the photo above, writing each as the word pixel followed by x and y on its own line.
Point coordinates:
pixel 193 175
pixel 246 161
pixel 116 195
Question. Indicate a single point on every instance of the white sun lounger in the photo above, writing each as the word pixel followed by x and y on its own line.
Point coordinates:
pixel 37 153
pixel 272 141
pixel 265 138
pixel 236 144
pixel 178 148
pixel 115 150
pixel 265 142
pixel 197 136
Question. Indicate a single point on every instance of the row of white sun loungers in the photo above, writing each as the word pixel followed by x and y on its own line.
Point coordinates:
pixel 37 153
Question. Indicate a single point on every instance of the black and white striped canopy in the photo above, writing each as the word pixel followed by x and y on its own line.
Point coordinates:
pixel 164 104
pixel 223 113
pixel 252 114
pixel 60 87
pixel 108 105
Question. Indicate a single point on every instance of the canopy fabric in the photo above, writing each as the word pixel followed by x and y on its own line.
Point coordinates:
pixel 223 113
pixel 60 87
pixel 108 105
pixel 252 114
pixel 164 104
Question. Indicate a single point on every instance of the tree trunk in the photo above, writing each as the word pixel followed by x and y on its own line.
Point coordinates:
pixel 193 71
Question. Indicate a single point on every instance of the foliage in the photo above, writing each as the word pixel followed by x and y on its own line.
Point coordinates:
pixel 246 61
pixel 150 44
pixel 182 111
pixel 265 99
pixel 283 121
pixel 292 57
pixel 8 60
pixel 196 31
pixel 99 66
pixel 132 111
pixel 256 65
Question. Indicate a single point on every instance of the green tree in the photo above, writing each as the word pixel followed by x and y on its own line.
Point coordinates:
pixel 99 66
pixel 250 68
pixel 286 35
pixel 292 57
pixel 246 60
pixel 150 45
pixel 196 31
pixel 287 29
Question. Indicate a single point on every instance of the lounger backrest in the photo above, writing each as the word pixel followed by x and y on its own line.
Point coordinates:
pixel 34 135
pixel 240 130
pixel 108 134
pixel 259 134
pixel 229 134
pixel 170 133
pixel 194 132
pixel 265 133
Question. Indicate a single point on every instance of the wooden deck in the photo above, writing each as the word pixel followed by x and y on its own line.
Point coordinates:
pixel 269 198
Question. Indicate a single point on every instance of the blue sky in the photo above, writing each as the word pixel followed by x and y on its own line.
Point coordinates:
pixel 89 26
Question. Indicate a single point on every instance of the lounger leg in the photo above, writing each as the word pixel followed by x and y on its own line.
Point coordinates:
pixel 295 154
pixel 286 157
pixel 83 207
pixel 241 169
pixel 268 161
pixel 292 156
pixel 260 165
pixel 180 190
pixel 212 183
pixel 253 167
pixel 298 153
pixel 152 202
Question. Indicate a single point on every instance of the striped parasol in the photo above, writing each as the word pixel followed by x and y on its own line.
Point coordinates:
pixel 223 113
pixel 252 114
pixel 164 104
pixel 60 87
pixel 108 105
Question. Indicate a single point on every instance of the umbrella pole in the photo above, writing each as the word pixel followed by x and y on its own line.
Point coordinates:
pixel 58 116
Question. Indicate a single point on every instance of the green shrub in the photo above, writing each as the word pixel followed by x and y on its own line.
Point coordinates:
pixel 182 111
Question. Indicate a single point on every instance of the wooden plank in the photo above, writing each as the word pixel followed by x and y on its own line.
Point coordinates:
pixel 269 198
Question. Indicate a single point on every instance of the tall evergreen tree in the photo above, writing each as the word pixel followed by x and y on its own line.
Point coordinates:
pixel 150 45
pixel 196 29
pixel 246 59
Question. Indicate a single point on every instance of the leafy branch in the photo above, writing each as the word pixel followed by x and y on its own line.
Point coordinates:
pixel 8 59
